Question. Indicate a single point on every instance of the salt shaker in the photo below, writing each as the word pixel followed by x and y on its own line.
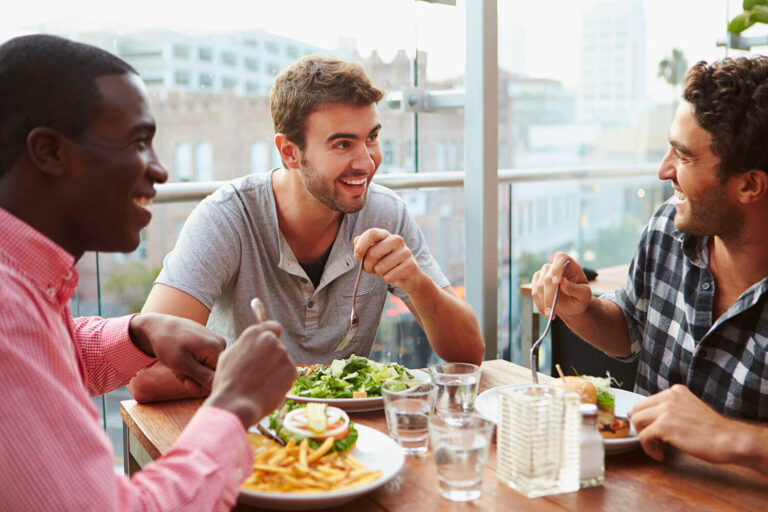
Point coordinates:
pixel 592 466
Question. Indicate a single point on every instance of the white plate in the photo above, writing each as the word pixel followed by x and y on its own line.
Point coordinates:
pixel 487 406
pixel 374 449
pixel 373 403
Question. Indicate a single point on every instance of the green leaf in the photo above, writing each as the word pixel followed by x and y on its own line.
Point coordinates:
pixel 749 4
pixel 741 22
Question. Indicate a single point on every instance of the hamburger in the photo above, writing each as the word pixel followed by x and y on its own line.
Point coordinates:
pixel 597 390
pixel 315 422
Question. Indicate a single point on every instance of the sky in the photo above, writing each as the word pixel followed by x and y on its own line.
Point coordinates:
pixel 537 38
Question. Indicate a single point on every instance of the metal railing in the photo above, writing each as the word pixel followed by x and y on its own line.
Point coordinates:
pixel 193 191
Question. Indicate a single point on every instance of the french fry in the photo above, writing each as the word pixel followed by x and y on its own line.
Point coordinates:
pixel 295 468
pixel 327 444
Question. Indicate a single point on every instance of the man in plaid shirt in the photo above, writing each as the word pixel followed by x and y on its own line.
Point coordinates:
pixel 694 306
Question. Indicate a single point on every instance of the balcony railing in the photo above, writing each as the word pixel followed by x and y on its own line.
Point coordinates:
pixel 193 191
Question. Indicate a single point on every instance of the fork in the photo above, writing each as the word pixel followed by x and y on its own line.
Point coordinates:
pixel 354 320
pixel 535 346
pixel 260 315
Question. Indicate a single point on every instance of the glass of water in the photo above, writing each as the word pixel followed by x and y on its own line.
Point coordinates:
pixel 460 452
pixel 457 385
pixel 408 404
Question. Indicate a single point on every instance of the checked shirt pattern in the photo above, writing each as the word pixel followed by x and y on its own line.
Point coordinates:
pixel 668 301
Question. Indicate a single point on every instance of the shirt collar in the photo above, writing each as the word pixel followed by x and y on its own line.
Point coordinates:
pixel 39 259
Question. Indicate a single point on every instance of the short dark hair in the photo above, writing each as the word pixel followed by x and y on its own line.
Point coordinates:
pixel 49 81
pixel 312 82
pixel 730 101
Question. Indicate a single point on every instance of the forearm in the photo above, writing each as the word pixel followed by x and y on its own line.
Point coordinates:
pixel 750 446
pixel 603 325
pixel 157 383
pixel 449 323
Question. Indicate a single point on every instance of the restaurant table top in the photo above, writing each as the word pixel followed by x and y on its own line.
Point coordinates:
pixel 633 481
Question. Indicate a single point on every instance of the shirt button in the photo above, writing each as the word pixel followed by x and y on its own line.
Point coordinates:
pixel 51 292
pixel 68 275
pixel 303 281
pixel 706 286
pixel 311 303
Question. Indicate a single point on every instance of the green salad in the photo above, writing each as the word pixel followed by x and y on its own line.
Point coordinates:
pixel 354 377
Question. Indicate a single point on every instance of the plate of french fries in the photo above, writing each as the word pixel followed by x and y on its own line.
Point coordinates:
pixel 296 477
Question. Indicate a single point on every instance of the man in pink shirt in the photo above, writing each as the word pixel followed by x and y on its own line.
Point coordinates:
pixel 77 168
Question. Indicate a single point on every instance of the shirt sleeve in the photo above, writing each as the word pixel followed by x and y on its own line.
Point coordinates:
pixel 108 354
pixel 55 455
pixel 207 254
pixel 631 298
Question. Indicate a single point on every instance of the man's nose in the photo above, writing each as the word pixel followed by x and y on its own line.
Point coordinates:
pixel 156 171
pixel 667 170
pixel 364 159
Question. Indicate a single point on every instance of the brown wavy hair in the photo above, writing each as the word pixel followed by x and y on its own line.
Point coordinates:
pixel 730 100
pixel 312 82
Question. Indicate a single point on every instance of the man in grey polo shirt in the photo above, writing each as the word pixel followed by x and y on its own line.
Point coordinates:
pixel 294 237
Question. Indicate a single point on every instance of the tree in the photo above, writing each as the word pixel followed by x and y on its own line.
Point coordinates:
pixel 672 68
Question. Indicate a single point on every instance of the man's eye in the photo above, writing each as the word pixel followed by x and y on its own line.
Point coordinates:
pixel 143 141
pixel 342 144
pixel 373 137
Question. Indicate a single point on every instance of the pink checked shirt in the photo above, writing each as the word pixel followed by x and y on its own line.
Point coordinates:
pixel 54 454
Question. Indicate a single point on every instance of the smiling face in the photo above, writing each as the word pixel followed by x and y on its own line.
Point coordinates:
pixel 341 155
pixel 114 169
pixel 704 200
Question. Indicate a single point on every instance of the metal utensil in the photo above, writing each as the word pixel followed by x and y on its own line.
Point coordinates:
pixel 535 346
pixel 260 315
pixel 259 312
pixel 354 320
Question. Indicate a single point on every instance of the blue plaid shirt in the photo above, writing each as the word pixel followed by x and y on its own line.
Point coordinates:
pixel 668 302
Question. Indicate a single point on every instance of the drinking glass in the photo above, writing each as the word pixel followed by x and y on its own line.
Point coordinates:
pixel 460 452
pixel 408 404
pixel 457 385
pixel 538 440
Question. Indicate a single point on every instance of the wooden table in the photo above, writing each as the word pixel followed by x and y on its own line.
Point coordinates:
pixel 608 280
pixel 633 481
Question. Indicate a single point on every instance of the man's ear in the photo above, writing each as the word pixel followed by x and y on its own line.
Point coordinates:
pixel 753 186
pixel 46 150
pixel 289 151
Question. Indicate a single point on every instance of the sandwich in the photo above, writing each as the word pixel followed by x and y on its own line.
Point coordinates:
pixel 597 390
pixel 315 422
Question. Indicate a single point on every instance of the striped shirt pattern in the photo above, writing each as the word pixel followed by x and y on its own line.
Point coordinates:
pixel 668 302
pixel 54 454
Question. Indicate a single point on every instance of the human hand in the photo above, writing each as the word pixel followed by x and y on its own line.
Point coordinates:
pixel 253 374
pixel 187 348
pixel 676 417
pixel 387 256
pixel 575 293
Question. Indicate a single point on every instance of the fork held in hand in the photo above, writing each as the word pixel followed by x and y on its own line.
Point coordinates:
pixel 535 346
pixel 354 320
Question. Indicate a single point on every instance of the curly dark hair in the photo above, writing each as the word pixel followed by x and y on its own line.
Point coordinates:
pixel 312 82
pixel 49 81
pixel 730 100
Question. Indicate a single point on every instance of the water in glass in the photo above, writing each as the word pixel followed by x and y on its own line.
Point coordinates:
pixel 407 407
pixel 460 453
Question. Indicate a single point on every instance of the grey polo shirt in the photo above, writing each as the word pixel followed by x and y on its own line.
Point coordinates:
pixel 231 250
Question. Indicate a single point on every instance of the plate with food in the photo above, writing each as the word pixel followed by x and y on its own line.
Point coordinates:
pixel 613 406
pixel 326 460
pixel 352 384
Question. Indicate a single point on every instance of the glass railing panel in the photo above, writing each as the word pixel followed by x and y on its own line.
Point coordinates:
pixel 596 221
